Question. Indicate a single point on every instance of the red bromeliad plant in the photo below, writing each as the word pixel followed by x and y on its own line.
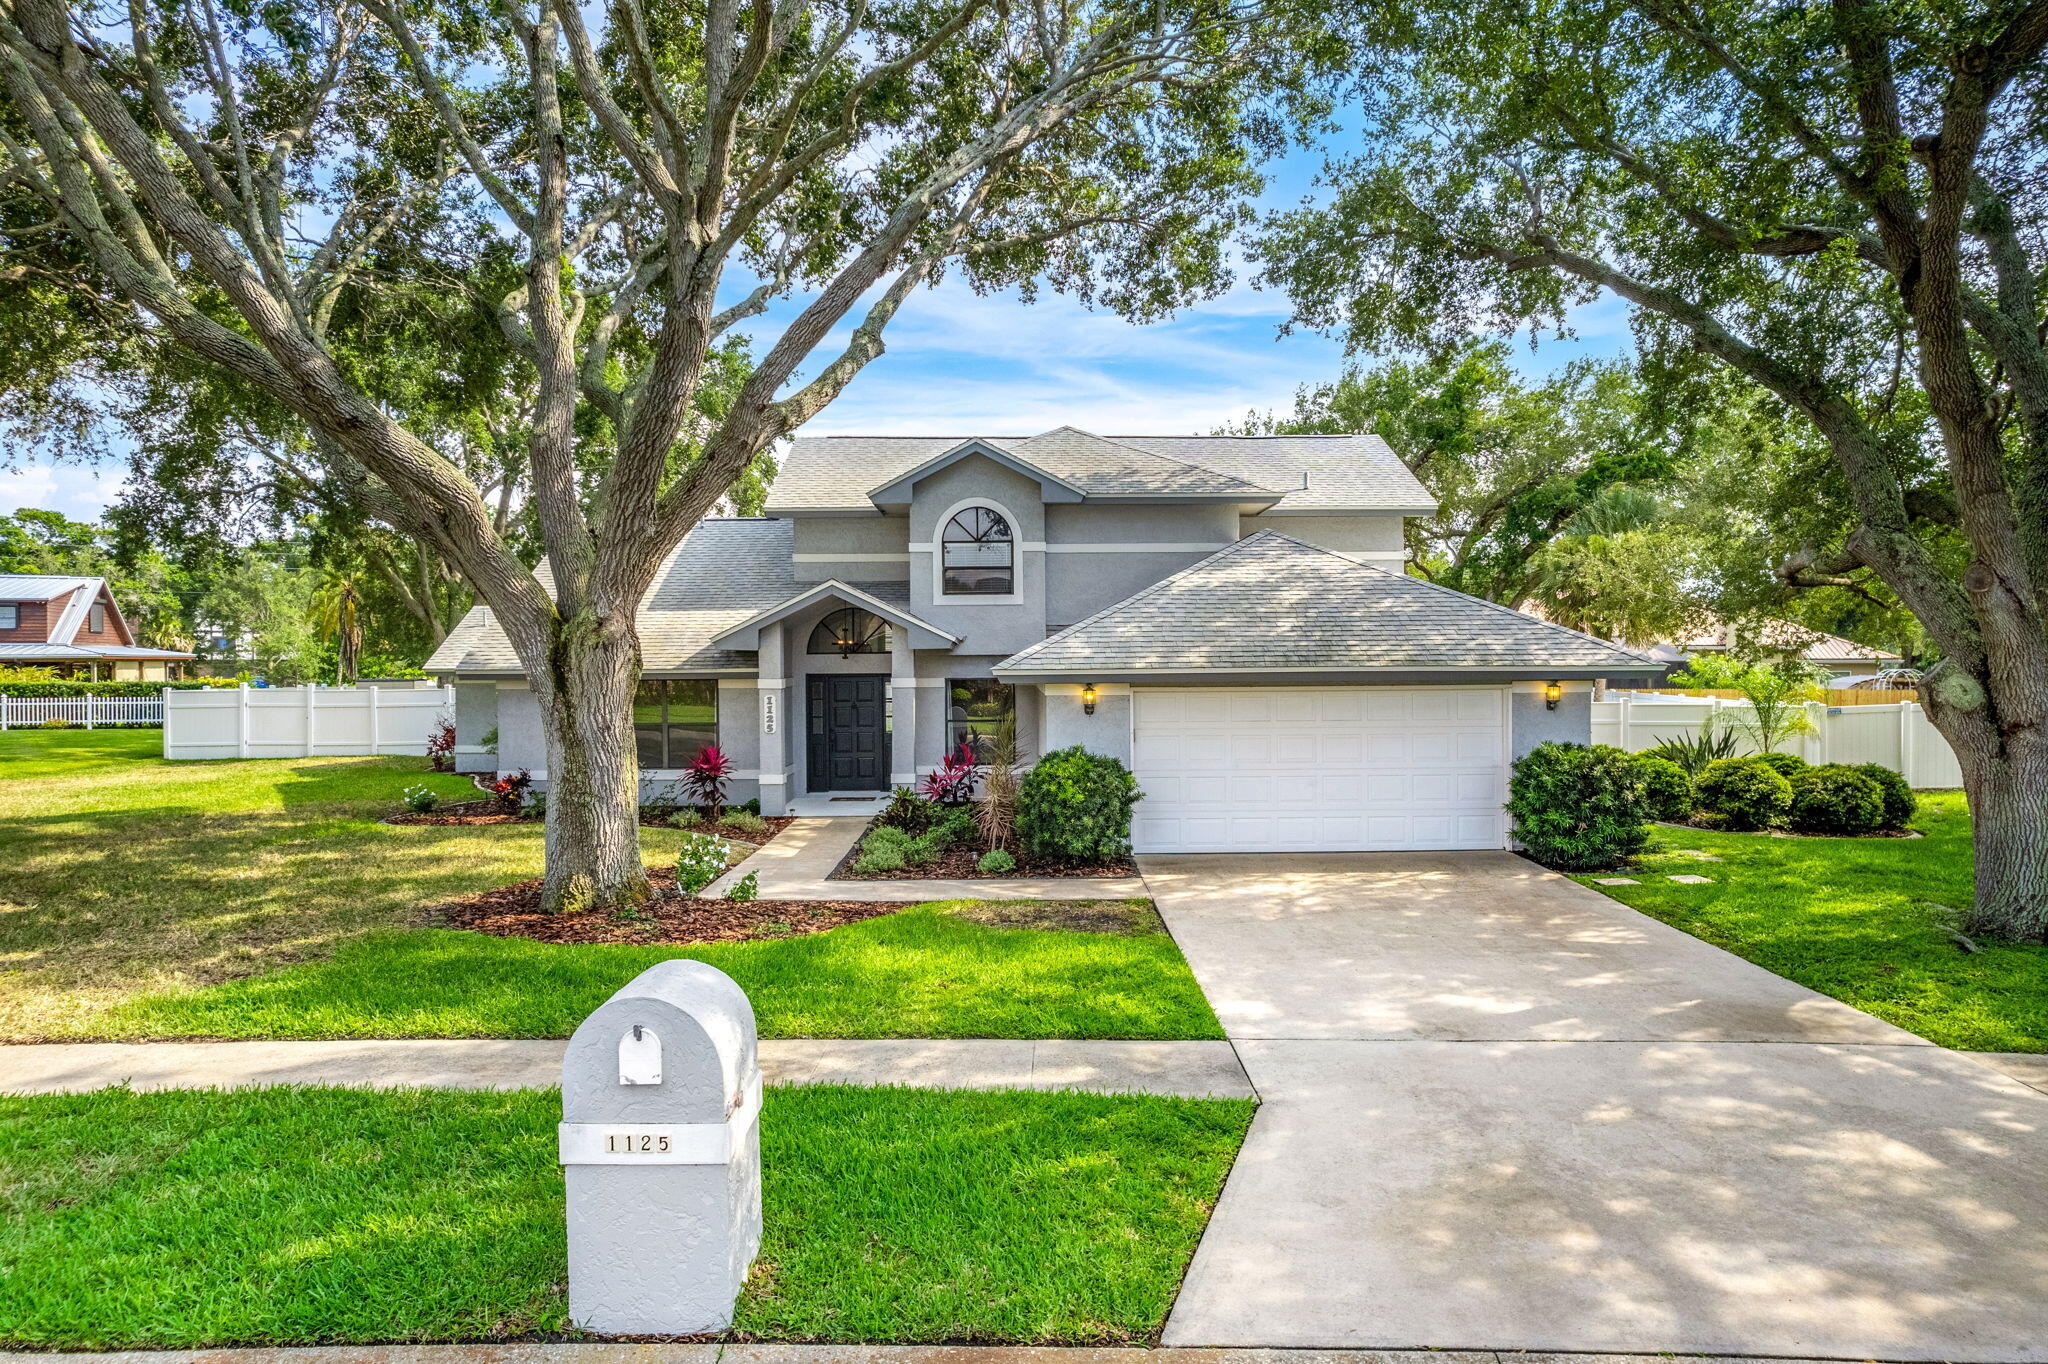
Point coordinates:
pixel 705 780
pixel 953 782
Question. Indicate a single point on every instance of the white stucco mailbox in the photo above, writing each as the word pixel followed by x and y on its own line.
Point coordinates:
pixel 661 1144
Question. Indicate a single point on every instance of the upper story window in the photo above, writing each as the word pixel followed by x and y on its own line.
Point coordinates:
pixel 10 615
pixel 849 632
pixel 978 555
pixel 98 623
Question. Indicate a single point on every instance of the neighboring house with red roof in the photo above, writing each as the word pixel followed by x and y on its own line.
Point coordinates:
pixel 75 626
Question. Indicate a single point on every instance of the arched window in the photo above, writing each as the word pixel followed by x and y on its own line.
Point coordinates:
pixel 978 555
pixel 849 632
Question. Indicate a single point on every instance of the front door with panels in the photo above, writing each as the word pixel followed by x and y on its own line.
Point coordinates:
pixel 847 741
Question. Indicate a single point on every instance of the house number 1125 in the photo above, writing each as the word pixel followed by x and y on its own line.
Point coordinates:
pixel 767 712
pixel 635 1144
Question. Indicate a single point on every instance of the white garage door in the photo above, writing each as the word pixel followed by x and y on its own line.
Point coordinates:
pixel 1338 769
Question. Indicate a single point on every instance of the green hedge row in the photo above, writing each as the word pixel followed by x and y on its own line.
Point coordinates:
pixel 109 688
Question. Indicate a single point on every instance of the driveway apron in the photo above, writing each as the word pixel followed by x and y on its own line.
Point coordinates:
pixel 1503 1112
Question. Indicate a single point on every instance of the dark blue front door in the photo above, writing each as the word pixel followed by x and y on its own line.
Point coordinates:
pixel 847 744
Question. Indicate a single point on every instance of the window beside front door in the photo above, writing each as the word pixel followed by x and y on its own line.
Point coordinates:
pixel 977 555
pixel 674 719
pixel 975 710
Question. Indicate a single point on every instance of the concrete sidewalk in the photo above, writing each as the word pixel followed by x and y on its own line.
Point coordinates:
pixel 836 1354
pixel 1500 1110
pixel 794 864
pixel 1193 1069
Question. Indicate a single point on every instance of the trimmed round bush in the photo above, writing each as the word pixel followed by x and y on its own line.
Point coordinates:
pixel 1836 799
pixel 878 861
pixel 1666 787
pixel 1899 801
pixel 1786 765
pixel 1075 806
pixel 1579 808
pixel 996 862
pixel 1745 793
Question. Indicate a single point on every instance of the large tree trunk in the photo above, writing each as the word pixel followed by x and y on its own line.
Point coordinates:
pixel 593 808
pixel 2005 778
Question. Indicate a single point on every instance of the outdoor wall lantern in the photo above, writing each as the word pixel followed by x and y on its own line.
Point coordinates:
pixel 1088 699
pixel 1553 692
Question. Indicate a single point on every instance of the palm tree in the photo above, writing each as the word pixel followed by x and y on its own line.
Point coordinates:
pixel 338 611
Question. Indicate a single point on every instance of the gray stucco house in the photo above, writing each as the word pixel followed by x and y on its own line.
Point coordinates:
pixel 1227 614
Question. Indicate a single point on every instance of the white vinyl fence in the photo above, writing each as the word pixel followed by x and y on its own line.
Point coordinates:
pixel 1899 736
pixel 302 722
pixel 88 712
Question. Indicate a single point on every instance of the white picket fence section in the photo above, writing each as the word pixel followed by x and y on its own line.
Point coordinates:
pixel 1899 736
pixel 89 712
pixel 302 722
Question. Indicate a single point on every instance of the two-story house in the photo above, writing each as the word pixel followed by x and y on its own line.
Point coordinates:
pixel 75 626
pixel 1227 614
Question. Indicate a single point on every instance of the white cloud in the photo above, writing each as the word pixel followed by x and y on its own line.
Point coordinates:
pixel 79 491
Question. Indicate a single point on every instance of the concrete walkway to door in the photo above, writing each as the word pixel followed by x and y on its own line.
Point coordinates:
pixel 1500 1111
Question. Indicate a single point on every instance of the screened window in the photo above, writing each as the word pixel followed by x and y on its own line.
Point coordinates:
pixel 978 555
pixel 849 632
pixel 674 720
pixel 99 618
pixel 975 711
pixel 10 615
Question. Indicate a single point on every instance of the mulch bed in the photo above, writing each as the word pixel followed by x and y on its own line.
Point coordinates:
pixel 491 812
pixel 670 918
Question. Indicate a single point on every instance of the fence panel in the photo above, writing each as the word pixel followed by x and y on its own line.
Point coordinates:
pixel 87 712
pixel 302 722
pixel 1899 735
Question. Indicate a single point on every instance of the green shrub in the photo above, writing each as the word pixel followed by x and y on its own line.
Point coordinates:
pixel 1836 799
pixel 909 812
pixel 925 849
pixel 746 822
pixel 878 861
pixel 1786 765
pixel 957 825
pixel 686 819
pixel 1075 806
pixel 1666 787
pixel 421 799
pixel 885 836
pixel 1899 801
pixel 1747 794
pixel 996 862
pixel 1692 752
pixel 1579 808
pixel 44 688
pixel 747 888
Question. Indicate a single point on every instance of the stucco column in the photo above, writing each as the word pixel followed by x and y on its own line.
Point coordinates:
pixel 903 710
pixel 774 719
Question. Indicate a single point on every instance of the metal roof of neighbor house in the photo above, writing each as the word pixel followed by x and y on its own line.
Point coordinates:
pixel 1780 635
pixel 1271 603
pixel 67 653
pixel 724 573
pixel 39 586
pixel 1291 473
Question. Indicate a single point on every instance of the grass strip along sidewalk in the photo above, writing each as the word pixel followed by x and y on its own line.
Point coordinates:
pixel 331 1216
pixel 1865 920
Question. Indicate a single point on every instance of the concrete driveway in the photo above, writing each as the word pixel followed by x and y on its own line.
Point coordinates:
pixel 1502 1111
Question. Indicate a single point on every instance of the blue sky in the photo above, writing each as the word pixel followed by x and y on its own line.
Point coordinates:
pixel 960 363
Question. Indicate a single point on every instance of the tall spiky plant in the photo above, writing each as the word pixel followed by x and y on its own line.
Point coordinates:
pixel 997 812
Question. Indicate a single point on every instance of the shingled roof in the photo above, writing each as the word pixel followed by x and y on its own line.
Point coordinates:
pixel 725 572
pixel 1271 603
pixel 1286 473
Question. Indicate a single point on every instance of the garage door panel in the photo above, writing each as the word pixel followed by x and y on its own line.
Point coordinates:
pixel 1319 769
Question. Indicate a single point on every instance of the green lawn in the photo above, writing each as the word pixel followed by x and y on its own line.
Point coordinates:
pixel 317 1216
pixel 1860 919
pixel 143 898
